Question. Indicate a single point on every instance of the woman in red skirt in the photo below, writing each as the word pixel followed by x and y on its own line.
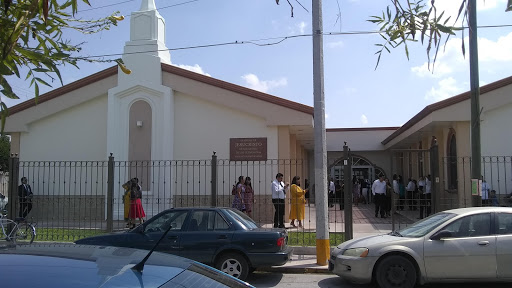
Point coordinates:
pixel 136 210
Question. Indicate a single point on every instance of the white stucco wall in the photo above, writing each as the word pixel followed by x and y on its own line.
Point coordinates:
pixel 202 127
pixel 357 140
pixel 77 133
pixel 495 131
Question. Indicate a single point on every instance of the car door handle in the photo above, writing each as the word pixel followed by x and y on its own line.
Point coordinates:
pixel 483 243
pixel 222 237
pixel 172 237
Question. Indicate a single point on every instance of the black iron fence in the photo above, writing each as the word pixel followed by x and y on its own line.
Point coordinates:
pixel 75 199
pixel 450 184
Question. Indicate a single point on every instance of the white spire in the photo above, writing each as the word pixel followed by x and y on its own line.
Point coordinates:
pixel 147 5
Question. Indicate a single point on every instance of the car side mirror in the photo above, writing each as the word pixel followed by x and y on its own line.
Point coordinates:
pixel 442 234
pixel 139 229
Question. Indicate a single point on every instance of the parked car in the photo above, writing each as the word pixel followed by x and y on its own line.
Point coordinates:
pixel 69 265
pixel 460 245
pixel 224 238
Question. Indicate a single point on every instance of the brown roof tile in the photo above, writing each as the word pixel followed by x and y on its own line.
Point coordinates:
pixel 170 69
pixel 64 89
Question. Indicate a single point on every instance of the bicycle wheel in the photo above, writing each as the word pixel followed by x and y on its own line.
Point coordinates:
pixel 25 234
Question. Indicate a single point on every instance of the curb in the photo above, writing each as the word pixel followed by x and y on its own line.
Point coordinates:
pixel 295 270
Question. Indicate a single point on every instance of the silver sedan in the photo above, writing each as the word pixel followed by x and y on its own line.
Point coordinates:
pixel 460 245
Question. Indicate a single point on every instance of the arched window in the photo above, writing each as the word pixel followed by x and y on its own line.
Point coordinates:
pixel 452 160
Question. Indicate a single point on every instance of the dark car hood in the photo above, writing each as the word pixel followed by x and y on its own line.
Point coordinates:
pixel 85 266
pixel 69 265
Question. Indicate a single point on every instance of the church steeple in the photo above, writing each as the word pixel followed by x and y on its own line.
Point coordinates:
pixel 147 5
pixel 147 33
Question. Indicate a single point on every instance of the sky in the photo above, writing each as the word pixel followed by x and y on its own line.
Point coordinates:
pixel 357 94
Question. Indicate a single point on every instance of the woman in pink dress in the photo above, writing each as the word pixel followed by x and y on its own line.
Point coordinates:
pixel 136 210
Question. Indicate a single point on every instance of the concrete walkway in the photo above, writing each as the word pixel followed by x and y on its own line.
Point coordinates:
pixel 304 259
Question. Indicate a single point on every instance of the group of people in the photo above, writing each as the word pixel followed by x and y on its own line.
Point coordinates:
pixel 133 203
pixel 297 197
pixel 409 195
pixel 24 196
pixel 244 195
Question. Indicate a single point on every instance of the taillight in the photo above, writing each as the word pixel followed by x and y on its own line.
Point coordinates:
pixel 280 242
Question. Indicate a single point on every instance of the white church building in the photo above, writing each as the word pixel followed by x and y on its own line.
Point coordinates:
pixel 164 124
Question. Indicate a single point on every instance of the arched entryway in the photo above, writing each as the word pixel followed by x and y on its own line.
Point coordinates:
pixel 362 168
pixel 139 148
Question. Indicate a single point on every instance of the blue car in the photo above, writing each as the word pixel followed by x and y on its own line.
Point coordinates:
pixel 223 238
pixel 70 265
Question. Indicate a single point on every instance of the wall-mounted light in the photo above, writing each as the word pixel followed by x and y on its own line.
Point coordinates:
pixel 139 123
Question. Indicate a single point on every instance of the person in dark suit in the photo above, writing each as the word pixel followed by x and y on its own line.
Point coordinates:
pixel 25 197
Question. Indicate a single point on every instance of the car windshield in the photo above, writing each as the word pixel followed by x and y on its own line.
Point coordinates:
pixel 243 219
pixel 423 227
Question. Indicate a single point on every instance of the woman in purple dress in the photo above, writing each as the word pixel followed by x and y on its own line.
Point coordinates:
pixel 248 196
pixel 238 201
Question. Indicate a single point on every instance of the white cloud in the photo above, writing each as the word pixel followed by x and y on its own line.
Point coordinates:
pixel 451 61
pixel 196 68
pixel 299 28
pixel 337 44
pixel 252 81
pixel 364 119
pixel 451 8
pixel 447 88
pixel 495 51
pixel 302 26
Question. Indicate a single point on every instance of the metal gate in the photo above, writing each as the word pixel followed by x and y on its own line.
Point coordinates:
pixel 415 174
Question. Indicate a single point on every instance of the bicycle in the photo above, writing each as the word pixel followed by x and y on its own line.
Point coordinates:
pixel 21 232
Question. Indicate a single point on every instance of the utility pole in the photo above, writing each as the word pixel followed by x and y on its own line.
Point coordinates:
pixel 476 153
pixel 322 225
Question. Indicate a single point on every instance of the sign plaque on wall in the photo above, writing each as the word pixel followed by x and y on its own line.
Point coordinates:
pixel 248 149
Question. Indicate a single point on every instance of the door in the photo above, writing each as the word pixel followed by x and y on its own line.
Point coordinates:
pixel 206 233
pixel 469 254
pixel 504 244
pixel 156 227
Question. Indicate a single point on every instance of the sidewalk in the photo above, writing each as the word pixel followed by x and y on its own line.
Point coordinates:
pixel 304 259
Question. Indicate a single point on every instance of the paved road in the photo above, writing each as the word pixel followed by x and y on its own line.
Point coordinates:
pixel 267 280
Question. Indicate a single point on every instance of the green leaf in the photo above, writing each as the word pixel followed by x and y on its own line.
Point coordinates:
pixel 42 81
pixel 36 89
pixel 445 29
pixel 4 70
pixel 4 112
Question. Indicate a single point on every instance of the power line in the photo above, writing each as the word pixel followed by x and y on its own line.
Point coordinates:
pixel 254 42
pixel 100 7
pixel 123 2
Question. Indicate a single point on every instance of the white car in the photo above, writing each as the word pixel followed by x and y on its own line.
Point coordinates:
pixel 460 245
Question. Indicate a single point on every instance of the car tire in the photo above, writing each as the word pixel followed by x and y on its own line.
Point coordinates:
pixel 395 272
pixel 233 264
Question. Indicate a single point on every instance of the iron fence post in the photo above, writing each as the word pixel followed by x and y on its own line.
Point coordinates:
pixel 14 163
pixel 434 171
pixel 213 199
pixel 110 194
pixel 393 194
pixel 347 191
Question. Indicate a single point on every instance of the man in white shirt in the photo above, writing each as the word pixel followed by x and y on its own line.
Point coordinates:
pixel 411 188
pixel 278 189
pixel 486 188
pixel 331 195
pixel 427 198
pixel 396 189
pixel 379 190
